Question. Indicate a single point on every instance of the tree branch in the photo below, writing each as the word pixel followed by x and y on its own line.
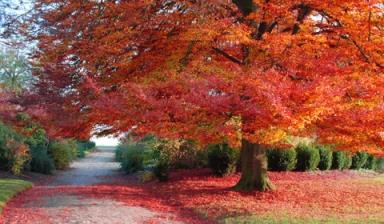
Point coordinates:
pixel 228 56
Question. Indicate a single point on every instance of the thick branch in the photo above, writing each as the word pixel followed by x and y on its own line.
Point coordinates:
pixel 228 56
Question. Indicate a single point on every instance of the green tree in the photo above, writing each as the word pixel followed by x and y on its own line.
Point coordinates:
pixel 15 71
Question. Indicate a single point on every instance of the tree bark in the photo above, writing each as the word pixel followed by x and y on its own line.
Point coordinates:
pixel 254 167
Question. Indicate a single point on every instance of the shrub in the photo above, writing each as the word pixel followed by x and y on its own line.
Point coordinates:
pixel 119 153
pixel 19 155
pixel 308 157
pixel 181 154
pixel 347 162
pixel 282 160
pixel 202 159
pixel 41 162
pixel 325 157
pixel 372 163
pixel 222 159
pixel 10 155
pixel 339 159
pixel 132 158
pixel 359 160
pixel 161 169
pixel 146 176
pixel 380 164
pixel 83 147
pixel 62 152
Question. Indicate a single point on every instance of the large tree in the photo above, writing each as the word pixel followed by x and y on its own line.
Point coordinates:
pixel 242 71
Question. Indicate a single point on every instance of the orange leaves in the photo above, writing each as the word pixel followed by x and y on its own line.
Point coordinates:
pixel 185 69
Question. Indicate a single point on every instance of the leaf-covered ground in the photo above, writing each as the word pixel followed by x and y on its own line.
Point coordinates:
pixel 318 197
pixel 312 197
pixel 195 196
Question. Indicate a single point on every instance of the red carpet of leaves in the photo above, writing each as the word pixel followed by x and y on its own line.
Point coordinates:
pixel 198 197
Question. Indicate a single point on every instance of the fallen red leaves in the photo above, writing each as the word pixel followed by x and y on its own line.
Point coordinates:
pixel 346 195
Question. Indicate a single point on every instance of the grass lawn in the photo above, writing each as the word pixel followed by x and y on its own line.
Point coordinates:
pixel 11 187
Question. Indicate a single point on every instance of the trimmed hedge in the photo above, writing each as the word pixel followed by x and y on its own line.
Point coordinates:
pixel 347 162
pixel 282 160
pixel 308 157
pixel 222 159
pixel 326 157
pixel 339 159
pixel 359 160
pixel 372 163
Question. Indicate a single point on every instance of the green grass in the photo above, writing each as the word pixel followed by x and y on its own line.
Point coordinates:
pixel 283 219
pixel 10 188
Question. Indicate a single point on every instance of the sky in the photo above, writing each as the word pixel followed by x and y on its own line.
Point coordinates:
pixel 105 141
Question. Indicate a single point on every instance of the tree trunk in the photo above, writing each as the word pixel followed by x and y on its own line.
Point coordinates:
pixel 254 167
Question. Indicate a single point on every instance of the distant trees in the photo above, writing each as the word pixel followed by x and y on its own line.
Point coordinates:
pixel 15 71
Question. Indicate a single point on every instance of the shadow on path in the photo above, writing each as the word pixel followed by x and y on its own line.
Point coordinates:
pixel 64 200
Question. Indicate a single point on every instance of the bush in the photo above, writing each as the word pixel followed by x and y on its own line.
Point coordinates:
pixel 63 152
pixel 325 157
pixel 347 162
pixel 359 160
pixel 380 164
pixel 14 154
pixel 222 159
pixel 308 157
pixel 132 157
pixel 41 162
pixel 181 154
pixel 282 160
pixel 372 163
pixel 339 160
pixel 161 170
pixel 83 147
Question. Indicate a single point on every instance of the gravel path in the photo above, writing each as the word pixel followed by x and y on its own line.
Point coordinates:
pixel 54 203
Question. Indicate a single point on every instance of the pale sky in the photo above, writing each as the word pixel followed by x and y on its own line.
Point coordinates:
pixel 105 141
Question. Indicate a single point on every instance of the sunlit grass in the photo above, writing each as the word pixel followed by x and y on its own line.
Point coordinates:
pixel 11 187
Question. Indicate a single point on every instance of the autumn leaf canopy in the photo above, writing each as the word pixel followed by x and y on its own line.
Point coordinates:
pixel 213 70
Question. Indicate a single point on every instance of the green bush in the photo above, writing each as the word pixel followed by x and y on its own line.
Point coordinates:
pixel 347 162
pixel 325 157
pixel 380 164
pixel 372 163
pixel 339 160
pixel 222 159
pixel 83 147
pixel 63 152
pixel 41 162
pixel 202 159
pixel 282 160
pixel 181 154
pixel 132 157
pixel 359 160
pixel 161 170
pixel 308 157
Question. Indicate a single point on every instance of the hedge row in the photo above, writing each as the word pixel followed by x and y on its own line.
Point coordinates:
pixel 312 157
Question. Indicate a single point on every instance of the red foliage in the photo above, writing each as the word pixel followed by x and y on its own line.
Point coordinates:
pixel 186 69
